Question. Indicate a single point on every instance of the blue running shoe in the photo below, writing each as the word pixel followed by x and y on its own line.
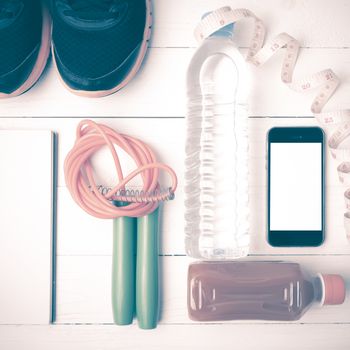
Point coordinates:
pixel 98 45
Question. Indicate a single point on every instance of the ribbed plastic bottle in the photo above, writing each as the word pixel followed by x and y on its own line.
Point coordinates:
pixel 216 164
pixel 258 290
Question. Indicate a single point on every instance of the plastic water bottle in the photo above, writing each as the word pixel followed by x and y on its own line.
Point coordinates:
pixel 216 165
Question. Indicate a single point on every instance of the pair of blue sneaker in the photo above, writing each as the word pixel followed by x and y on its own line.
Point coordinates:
pixel 97 45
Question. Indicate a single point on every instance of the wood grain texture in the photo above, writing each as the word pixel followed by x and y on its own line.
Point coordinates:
pixel 152 107
pixel 316 23
pixel 166 136
pixel 84 289
pixel 159 89
pixel 174 337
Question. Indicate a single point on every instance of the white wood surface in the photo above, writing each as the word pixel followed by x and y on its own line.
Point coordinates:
pixel 152 107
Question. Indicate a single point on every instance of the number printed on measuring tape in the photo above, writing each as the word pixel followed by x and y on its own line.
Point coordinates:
pixel 336 123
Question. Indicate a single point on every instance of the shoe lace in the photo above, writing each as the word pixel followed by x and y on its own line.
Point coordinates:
pixel 94 9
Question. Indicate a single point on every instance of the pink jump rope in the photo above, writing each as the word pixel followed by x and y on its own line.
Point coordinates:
pixel 124 206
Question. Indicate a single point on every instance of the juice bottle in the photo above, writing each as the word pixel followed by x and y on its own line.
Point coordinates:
pixel 257 291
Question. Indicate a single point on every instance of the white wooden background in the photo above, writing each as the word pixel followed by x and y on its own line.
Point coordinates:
pixel 152 107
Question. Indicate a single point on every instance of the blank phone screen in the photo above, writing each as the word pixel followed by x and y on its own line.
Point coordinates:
pixel 296 186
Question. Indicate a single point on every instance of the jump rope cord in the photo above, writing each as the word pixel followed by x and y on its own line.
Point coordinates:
pixel 79 173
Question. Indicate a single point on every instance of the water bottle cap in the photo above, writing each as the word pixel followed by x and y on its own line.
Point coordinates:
pixel 224 31
pixel 333 289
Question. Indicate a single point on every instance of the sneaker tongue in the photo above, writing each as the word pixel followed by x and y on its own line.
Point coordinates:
pixel 93 9
pixel 10 9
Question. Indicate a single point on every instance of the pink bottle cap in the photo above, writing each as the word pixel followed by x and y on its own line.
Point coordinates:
pixel 333 289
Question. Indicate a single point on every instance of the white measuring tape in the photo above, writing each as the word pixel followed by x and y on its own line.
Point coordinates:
pixel 325 80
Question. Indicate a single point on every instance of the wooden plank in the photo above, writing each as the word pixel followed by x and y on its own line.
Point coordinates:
pixel 84 292
pixel 159 90
pixel 173 337
pixel 312 22
pixel 166 136
pixel 80 234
